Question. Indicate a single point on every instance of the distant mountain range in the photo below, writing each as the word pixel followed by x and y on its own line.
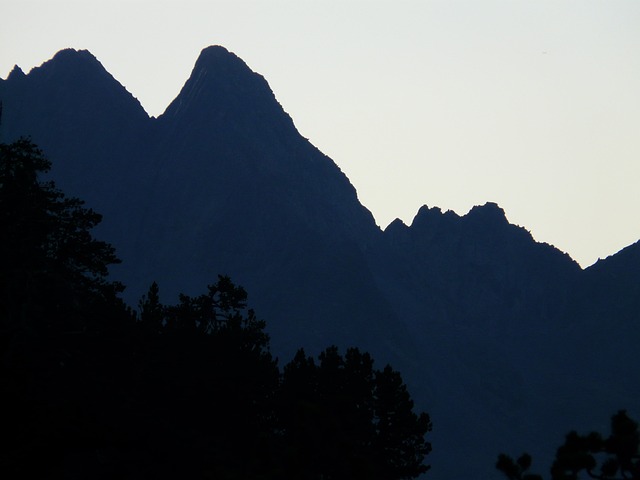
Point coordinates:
pixel 506 342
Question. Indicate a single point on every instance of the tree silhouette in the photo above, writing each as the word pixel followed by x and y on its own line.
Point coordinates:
pixel 56 307
pixel 401 446
pixel 343 419
pixel 208 376
pixel 53 270
pixel 516 470
pixel 151 310
pixel 616 457
pixel 612 458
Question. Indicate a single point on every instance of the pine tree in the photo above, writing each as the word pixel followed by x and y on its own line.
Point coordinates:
pixel 53 270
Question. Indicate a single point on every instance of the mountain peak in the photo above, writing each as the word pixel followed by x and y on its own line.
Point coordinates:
pixel 217 52
pixel 65 66
pixel 73 54
pixel 72 61
pixel 16 72
pixel 223 94
pixel 70 65
pixel 219 78
pixel 396 226
pixel 431 217
pixel 71 93
pixel 489 213
pixel 218 61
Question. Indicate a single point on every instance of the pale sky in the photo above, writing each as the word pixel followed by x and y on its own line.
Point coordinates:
pixel 534 104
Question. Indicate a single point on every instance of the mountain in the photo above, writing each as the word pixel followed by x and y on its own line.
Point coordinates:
pixel 506 342
pixel 74 109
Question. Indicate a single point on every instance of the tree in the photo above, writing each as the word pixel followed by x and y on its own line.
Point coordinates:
pixel 612 458
pixel 516 470
pixel 56 303
pixel 616 457
pixel 400 432
pixel 222 310
pixel 207 382
pixel 342 419
pixel 151 310
pixel 52 267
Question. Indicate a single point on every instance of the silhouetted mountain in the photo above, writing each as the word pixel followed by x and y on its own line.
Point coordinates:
pixel 260 203
pixel 607 327
pixel 74 109
pixel 612 284
pixel 222 182
pixel 493 331
pixel 483 271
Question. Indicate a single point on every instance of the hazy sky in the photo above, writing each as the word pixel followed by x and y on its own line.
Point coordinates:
pixel 534 105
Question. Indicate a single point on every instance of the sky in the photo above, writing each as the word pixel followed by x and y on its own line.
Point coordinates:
pixel 534 105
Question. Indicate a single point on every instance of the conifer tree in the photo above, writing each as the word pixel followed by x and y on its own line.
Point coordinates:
pixel 52 267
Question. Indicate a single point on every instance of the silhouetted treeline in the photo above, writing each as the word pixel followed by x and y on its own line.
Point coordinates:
pixel 616 457
pixel 92 389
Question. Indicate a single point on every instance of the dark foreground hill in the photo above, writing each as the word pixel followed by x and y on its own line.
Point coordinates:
pixel 506 342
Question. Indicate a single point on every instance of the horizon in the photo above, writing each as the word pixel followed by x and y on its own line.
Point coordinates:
pixel 521 91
